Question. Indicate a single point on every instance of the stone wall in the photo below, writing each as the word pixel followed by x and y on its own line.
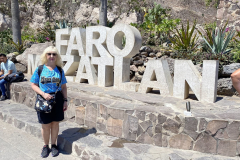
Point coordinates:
pixel 229 10
pixel 156 123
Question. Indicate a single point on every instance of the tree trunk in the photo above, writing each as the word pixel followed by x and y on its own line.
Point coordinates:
pixel 16 28
pixel 103 13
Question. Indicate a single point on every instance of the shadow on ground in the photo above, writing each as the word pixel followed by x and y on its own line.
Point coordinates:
pixel 68 136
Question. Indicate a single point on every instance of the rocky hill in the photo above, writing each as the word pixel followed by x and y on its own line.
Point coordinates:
pixel 86 12
pixel 192 9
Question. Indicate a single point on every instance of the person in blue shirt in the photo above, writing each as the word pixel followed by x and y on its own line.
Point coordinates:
pixel 7 67
pixel 44 85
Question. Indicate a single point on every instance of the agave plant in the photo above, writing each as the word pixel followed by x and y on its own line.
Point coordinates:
pixel 20 47
pixel 219 41
pixel 61 24
pixel 185 39
pixel 207 34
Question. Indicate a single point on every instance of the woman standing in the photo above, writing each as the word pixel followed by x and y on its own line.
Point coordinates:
pixel 45 84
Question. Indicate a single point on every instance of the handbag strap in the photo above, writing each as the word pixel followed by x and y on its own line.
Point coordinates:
pixel 60 70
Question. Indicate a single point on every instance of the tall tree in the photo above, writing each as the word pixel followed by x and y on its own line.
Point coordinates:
pixel 103 13
pixel 16 28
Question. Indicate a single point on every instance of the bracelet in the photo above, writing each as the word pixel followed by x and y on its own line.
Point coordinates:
pixel 65 99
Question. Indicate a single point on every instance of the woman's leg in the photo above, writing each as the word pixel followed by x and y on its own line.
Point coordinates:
pixel 46 133
pixel 54 132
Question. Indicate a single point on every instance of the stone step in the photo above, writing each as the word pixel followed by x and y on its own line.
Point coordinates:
pixel 212 128
pixel 88 144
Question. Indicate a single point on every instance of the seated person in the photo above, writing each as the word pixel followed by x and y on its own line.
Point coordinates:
pixel 7 67
pixel 0 71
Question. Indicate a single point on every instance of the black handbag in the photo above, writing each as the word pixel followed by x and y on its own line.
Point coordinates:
pixel 43 105
pixel 14 77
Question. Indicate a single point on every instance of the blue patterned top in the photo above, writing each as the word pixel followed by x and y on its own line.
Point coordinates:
pixel 49 79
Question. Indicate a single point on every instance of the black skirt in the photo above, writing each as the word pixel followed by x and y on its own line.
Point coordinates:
pixel 57 113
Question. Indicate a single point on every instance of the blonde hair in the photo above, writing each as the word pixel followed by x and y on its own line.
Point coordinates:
pixel 51 49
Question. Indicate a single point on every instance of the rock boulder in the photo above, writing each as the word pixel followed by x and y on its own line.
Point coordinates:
pixel 225 87
pixel 5 22
pixel 21 68
pixel 12 57
pixel 229 69
pixel 35 49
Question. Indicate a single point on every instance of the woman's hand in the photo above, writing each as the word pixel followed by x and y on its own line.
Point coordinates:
pixel 47 96
pixel 65 105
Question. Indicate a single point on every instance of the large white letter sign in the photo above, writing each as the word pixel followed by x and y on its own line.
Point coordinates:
pixel 33 62
pixel 185 75
pixel 69 47
pixel 122 55
pixel 76 47
pixel 157 75
pixel 72 64
pixel 86 71
pixel 77 42
pixel 98 54
pixel 96 48
pixel 209 81
pixel 62 37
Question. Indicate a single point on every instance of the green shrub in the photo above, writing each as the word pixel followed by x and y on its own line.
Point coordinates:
pixel 210 25
pixel 234 46
pixel 5 36
pixel 47 33
pixel 7 48
pixel 157 24
pixel 185 39
pixel 28 34
pixel 158 21
pixel 19 47
pixel 40 38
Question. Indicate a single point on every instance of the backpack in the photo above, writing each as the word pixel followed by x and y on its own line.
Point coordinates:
pixel 13 78
pixel 40 68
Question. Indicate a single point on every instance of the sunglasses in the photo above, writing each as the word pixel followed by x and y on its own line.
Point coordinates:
pixel 49 54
